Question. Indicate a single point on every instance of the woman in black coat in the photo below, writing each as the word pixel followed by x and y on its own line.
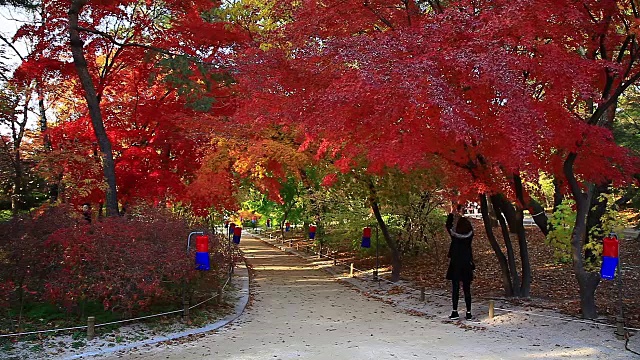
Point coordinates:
pixel 461 265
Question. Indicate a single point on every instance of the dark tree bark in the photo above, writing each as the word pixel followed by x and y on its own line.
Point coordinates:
pixel 539 216
pixel 522 238
pixel 93 103
pixel 502 261
pixel 597 209
pixel 587 281
pixel 557 194
pixel 512 268
pixel 396 260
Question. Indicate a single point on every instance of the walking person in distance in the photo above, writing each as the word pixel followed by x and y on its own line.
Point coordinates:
pixel 461 263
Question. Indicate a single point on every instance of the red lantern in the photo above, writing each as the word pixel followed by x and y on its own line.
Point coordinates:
pixel 366 238
pixel 237 232
pixel 610 246
pixel 202 243
pixel 610 260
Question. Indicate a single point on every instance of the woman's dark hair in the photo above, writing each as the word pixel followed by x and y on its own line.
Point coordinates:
pixel 464 226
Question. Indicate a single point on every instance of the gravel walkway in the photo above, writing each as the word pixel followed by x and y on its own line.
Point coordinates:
pixel 301 312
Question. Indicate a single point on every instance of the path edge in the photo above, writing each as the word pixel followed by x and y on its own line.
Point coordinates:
pixel 241 271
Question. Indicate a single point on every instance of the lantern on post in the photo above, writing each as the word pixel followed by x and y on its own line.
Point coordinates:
pixel 366 237
pixel 312 232
pixel 237 232
pixel 202 253
pixel 610 258
pixel 287 226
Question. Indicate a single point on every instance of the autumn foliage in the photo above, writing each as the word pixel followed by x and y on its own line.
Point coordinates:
pixel 127 265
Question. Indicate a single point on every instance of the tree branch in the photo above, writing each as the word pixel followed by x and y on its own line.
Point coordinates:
pixel 382 18
pixel 127 44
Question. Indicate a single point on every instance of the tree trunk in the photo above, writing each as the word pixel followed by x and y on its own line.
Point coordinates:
pixel 93 103
pixel 512 269
pixel 525 289
pixel 587 282
pixel 597 209
pixel 396 261
pixel 502 261
pixel 557 194
pixel 539 216
pixel 16 194
pixel 509 213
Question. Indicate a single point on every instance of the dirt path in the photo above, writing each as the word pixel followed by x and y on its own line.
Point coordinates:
pixel 300 312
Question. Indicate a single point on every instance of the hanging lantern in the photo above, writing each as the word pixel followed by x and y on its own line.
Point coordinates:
pixel 609 257
pixel 202 253
pixel 237 232
pixel 366 237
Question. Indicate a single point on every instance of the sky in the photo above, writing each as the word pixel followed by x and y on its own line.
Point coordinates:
pixel 10 20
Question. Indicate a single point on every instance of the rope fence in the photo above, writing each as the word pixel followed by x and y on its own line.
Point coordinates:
pixel 432 294
pixel 89 327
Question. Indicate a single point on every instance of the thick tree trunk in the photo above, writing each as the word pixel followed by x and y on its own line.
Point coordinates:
pixel 93 103
pixel 587 282
pixel 513 269
pixel 502 261
pixel 396 260
pixel 525 289
pixel 509 213
pixel 539 216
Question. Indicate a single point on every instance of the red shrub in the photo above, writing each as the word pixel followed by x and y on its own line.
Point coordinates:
pixel 125 264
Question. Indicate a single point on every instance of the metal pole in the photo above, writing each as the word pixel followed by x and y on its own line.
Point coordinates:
pixel 620 332
pixel 184 289
pixel 229 247
pixel 189 238
pixel 375 273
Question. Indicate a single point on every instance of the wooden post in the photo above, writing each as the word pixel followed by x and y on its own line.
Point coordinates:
pixel 91 327
pixel 351 271
pixel 185 311
pixel 422 293
pixel 491 308
pixel 619 327
pixel 219 295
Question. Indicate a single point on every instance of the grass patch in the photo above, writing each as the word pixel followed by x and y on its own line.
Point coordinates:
pixel 5 215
